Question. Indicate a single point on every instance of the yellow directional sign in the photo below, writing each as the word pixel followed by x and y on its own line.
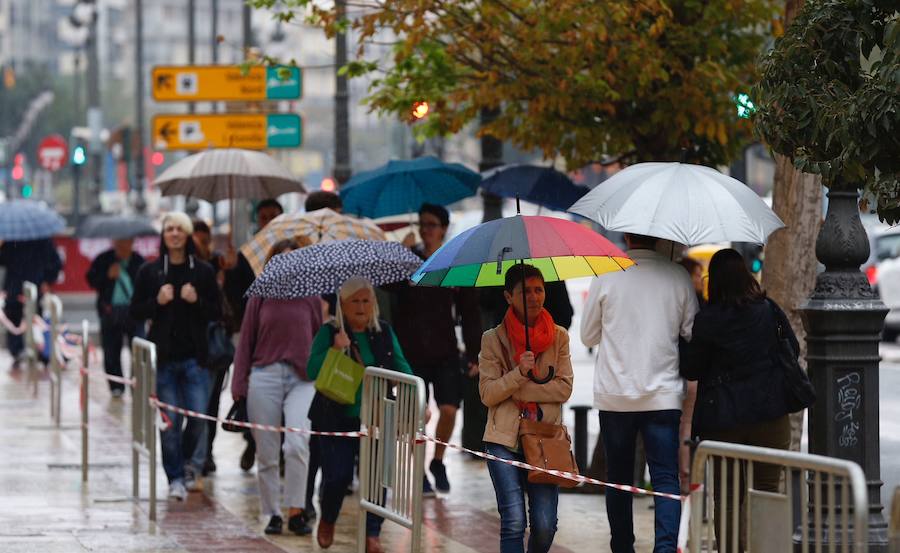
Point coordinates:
pixel 205 83
pixel 252 131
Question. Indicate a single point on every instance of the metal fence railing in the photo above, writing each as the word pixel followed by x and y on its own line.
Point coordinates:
pixel 29 310
pixel 85 396
pixel 143 417
pixel 392 455
pixel 749 508
pixel 53 306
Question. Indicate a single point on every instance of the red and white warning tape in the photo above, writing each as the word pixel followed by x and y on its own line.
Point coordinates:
pixel 268 427
pixel 567 475
pixel 561 474
pixel 110 377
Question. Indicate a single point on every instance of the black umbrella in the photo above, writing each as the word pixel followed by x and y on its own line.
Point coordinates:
pixel 116 227
pixel 322 268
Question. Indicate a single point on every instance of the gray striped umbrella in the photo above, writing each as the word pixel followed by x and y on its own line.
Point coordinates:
pixel 322 268
pixel 28 220
pixel 228 173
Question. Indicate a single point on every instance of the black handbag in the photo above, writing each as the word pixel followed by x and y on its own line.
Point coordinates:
pixel 220 349
pixel 238 412
pixel 798 390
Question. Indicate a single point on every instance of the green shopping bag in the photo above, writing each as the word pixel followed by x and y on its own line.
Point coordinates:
pixel 340 377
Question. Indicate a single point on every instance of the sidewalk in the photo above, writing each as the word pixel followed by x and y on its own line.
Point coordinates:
pixel 44 506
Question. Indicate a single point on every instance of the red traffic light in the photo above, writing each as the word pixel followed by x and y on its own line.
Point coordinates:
pixel 157 159
pixel 328 185
pixel 18 172
pixel 420 110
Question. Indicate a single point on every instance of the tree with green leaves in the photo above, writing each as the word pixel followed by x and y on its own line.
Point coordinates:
pixel 829 98
pixel 643 79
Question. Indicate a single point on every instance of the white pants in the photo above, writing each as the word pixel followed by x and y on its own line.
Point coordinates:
pixel 275 390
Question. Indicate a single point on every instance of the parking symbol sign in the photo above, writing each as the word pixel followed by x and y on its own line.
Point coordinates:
pixel 186 83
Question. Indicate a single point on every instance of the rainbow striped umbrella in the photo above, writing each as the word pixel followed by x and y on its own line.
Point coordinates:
pixel 561 249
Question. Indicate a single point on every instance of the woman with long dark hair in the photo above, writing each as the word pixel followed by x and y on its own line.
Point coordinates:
pixel 740 385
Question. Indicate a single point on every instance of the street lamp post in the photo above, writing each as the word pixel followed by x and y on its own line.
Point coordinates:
pixel 342 169
pixel 843 319
pixel 140 203
pixel 94 113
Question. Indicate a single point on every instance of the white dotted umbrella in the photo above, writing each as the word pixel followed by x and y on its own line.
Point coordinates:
pixel 322 268
pixel 685 203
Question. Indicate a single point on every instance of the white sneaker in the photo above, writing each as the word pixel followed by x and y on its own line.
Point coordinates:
pixel 177 491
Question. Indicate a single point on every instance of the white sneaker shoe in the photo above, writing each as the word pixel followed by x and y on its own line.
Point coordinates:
pixel 177 491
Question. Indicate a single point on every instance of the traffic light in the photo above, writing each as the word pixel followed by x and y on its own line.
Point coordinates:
pixel 745 106
pixel 420 110
pixel 18 170
pixel 79 156
pixel 27 190
pixel 328 184
pixel 157 159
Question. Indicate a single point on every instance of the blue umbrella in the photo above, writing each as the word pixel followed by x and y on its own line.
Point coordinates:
pixel 402 186
pixel 28 220
pixel 544 186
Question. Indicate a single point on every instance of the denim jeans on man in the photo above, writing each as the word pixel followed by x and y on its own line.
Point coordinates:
pixel 184 384
pixel 336 457
pixel 660 432
pixel 511 485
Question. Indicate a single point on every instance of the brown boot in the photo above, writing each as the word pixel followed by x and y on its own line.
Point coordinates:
pixel 325 534
pixel 373 545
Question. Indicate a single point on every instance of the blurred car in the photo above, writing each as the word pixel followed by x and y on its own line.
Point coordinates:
pixel 884 244
pixel 889 289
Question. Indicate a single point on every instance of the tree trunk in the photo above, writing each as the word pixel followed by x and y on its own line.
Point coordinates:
pixel 789 272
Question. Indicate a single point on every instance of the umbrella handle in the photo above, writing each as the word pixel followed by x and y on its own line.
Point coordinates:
pixel 544 380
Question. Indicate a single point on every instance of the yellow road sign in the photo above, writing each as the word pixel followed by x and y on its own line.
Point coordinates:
pixel 203 83
pixel 253 131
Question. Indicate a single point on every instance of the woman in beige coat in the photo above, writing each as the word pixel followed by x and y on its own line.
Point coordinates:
pixel 516 384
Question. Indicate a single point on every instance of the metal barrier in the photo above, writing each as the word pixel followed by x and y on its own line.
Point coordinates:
pixel 85 395
pixel 53 305
pixel 759 474
pixel 391 455
pixel 30 291
pixel 143 417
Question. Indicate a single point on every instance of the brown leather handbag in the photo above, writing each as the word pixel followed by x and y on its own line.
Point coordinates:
pixel 548 446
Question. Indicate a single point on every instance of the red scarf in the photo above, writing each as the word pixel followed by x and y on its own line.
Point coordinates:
pixel 541 334
pixel 541 337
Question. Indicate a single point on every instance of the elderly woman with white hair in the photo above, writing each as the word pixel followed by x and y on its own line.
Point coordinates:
pixel 373 343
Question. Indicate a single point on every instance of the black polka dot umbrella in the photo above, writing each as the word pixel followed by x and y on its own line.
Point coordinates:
pixel 322 268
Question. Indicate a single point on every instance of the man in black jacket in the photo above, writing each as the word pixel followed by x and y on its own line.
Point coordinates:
pixel 178 293
pixel 26 261
pixel 112 274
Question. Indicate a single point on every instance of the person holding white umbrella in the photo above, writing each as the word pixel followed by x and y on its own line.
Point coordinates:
pixel 638 318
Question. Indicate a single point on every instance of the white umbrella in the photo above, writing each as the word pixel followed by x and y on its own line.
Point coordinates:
pixel 226 174
pixel 688 204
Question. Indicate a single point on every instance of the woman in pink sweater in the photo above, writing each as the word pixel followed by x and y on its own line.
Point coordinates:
pixel 270 372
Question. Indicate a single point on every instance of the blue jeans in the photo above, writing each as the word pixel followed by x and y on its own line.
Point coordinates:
pixel 511 485
pixel 184 384
pixel 660 432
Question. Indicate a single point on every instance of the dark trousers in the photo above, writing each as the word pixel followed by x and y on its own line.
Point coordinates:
pixel 336 457
pixel 474 415
pixel 775 434
pixel 313 469
pixel 13 310
pixel 660 432
pixel 213 408
pixel 111 337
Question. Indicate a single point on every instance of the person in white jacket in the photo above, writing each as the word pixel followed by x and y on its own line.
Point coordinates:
pixel 636 317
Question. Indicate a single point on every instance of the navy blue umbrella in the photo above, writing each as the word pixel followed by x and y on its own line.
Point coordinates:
pixel 544 186
pixel 402 186
pixel 116 227
pixel 28 220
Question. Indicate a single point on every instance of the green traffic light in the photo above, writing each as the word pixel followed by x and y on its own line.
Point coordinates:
pixel 27 191
pixel 756 266
pixel 78 155
pixel 745 106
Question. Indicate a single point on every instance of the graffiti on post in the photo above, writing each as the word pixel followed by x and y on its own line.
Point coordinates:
pixel 849 400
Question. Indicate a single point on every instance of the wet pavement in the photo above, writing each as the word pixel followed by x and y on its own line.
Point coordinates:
pixel 45 507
